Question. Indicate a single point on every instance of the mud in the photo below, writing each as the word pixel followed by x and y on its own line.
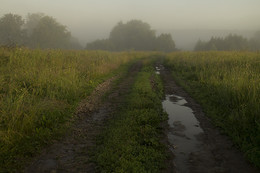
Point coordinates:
pixel 73 153
pixel 214 152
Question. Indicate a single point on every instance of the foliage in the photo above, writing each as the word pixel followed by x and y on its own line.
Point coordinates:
pixel 11 32
pixel 134 35
pixel 39 31
pixel 227 84
pixel 255 41
pixel 165 43
pixel 48 33
pixel 32 21
pixel 229 43
pixel 39 91
pixel 131 143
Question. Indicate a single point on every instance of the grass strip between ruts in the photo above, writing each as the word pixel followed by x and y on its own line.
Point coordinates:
pixel 131 141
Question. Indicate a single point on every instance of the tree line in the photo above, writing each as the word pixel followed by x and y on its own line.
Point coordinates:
pixel 134 35
pixel 36 31
pixel 229 43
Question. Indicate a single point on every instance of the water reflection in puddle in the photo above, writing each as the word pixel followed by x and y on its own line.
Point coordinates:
pixel 184 127
pixel 157 69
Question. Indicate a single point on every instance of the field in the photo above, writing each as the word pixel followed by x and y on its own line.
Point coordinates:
pixel 40 91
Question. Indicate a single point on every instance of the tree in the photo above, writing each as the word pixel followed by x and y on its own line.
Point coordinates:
pixel 255 41
pixel 11 32
pixel 236 42
pixel 165 43
pixel 39 31
pixel 45 32
pixel 32 21
pixel 48 33
pixel 135 34
pixel 200 46
pixel 229 43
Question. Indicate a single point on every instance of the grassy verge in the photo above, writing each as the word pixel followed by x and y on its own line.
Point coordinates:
pixel 39 91
pixel 131 141
pixel 227 85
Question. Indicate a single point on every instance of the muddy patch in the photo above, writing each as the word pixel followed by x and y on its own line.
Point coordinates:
pixel 158 68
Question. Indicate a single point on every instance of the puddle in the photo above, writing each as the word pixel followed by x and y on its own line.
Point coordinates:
pixel 158 69
pixel 184 127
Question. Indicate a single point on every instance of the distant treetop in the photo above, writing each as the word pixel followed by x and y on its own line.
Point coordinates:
pixel 229 43
pixel 37 31
pixel 134 35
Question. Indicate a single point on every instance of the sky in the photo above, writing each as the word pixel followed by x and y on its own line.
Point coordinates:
pixel 93 19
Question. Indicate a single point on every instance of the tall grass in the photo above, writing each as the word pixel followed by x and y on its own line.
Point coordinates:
pixel 39 91
pixel 227 84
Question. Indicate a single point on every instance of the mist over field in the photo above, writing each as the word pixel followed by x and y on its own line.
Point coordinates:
pixel 187 21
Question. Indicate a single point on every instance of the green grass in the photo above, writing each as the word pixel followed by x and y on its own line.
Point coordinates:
pixel 39 91
pixel 130 143
pixel 227 84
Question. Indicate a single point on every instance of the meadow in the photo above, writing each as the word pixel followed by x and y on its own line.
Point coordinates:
pixel 227 85
pixel 39 92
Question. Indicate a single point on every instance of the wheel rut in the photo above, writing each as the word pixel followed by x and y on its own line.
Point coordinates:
pixel 73 153
pixel 212 151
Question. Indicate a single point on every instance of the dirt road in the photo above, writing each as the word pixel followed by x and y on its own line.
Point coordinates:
pixel 196 146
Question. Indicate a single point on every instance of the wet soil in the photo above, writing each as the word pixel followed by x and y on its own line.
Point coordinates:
pixel 213 153
pixel 73 153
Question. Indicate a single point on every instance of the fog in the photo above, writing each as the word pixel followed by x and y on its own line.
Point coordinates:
pixel 186 20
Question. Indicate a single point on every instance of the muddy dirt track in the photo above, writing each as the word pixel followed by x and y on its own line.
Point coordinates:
pixel 73 153
pixel 215 153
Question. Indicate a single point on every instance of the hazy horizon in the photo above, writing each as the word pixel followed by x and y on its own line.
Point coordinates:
pixel 89 20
